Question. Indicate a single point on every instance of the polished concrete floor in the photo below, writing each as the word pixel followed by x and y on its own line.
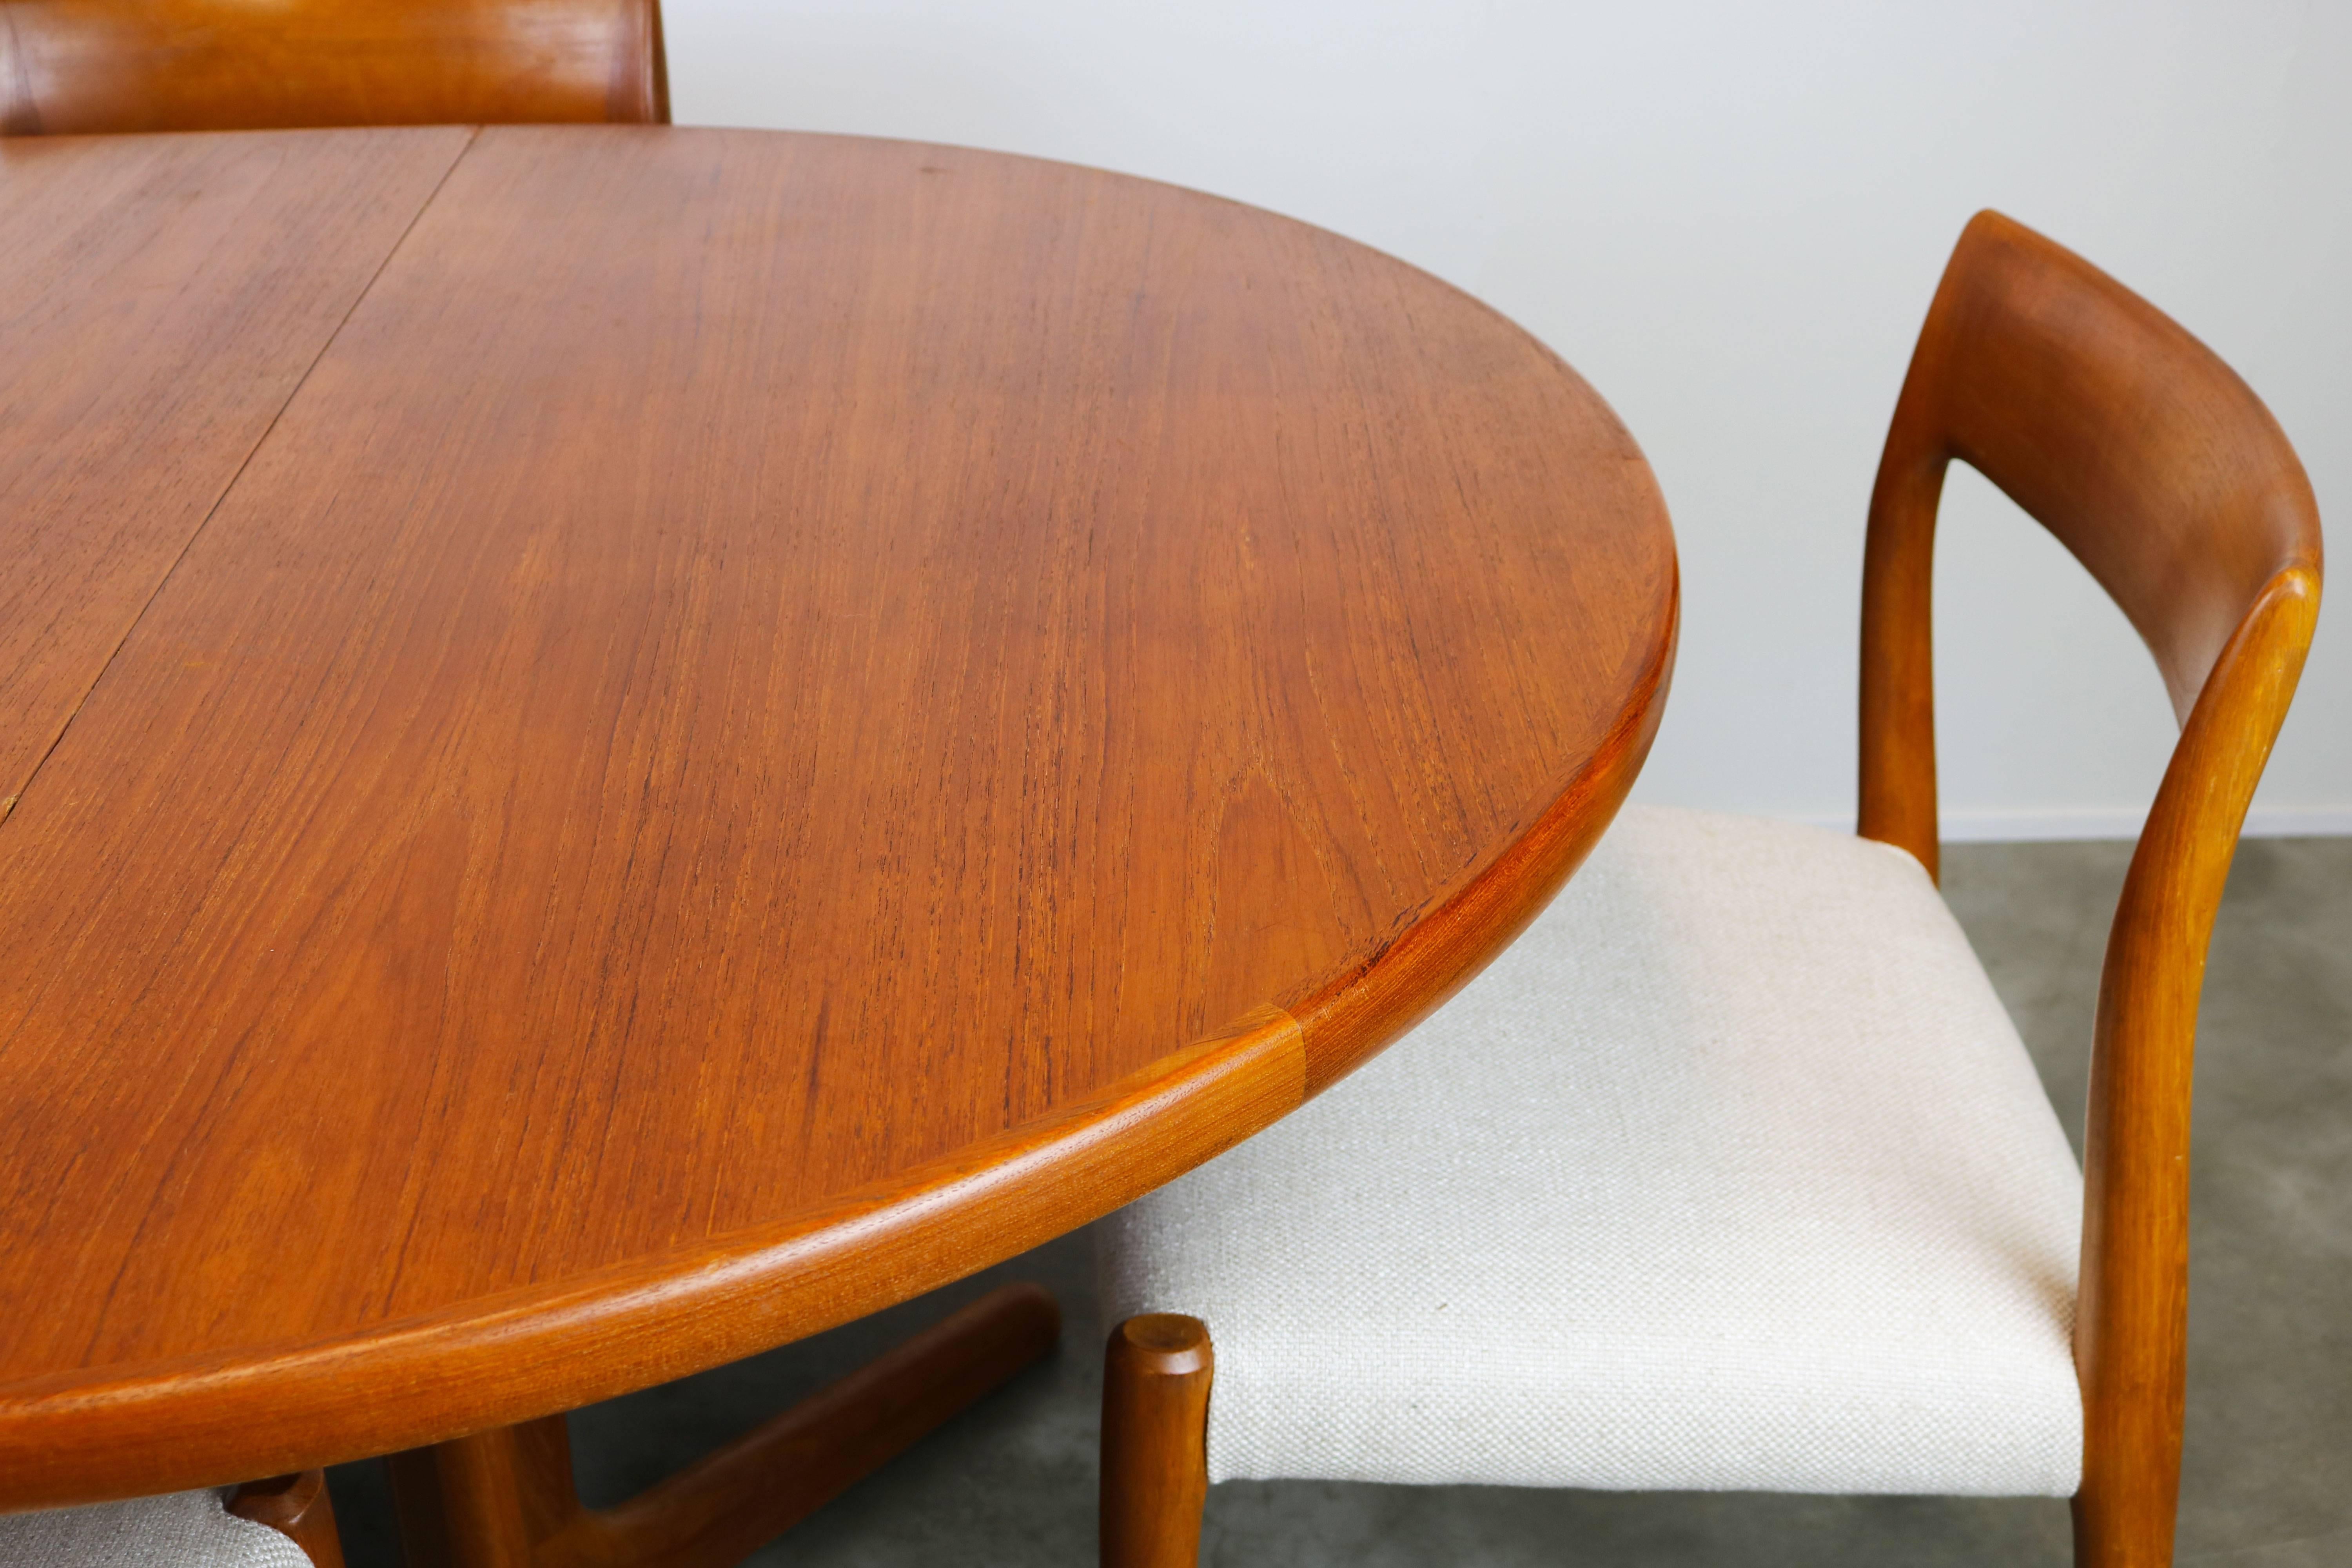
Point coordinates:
pixel 2268 1474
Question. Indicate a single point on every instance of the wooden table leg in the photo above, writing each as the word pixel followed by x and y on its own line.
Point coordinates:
pixel 484 1501
pixel 504 1498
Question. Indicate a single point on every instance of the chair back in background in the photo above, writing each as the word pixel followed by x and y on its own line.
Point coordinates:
pixel 74 65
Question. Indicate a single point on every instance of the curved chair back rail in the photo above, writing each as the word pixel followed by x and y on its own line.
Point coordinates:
pixel 76 66
pixel 2167 478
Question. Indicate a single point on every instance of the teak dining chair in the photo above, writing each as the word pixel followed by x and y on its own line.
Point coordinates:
pixel 1732 1173
pixel 75 66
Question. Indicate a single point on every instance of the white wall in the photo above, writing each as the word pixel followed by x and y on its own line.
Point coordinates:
pixel 1731 217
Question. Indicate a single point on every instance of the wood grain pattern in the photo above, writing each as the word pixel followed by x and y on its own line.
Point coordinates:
pixel 2169 480
pixel 161 300
pixel 1157 1375
pixel 781 719
pixel 84 66
pixel 482 1501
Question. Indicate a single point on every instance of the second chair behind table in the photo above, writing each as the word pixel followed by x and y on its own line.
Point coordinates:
pixel 1733 1172
pixel 68 66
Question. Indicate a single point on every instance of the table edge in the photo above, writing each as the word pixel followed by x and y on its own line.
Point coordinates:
pixel 96 1435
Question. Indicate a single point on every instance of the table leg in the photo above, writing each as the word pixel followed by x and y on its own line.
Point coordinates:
pixel 470 1502
pixel 504 1498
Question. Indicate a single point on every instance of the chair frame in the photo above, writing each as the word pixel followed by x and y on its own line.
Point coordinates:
pixel 297 1507
pixel 2164 474
pixel 2167 478
pixel 114 66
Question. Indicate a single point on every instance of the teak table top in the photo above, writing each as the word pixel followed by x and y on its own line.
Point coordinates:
pixel 627 743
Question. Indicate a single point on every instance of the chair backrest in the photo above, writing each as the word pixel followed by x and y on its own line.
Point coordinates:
pixel 2167 479
pixel 71 66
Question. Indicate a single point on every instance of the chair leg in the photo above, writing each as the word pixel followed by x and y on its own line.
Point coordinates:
pixel 2133 1356
pixel 1155 1441
pixel 2119 1525
pixel 297 1507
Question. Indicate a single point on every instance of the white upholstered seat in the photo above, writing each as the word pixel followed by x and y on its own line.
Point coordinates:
pixel 184 1529
pixel 1731 1173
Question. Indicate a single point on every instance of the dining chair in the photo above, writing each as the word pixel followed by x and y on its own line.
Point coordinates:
pixel 74 65
pixel 286 1522
pixel 1732 1173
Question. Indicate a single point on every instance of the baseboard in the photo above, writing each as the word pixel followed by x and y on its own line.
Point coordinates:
pixel 2300 821
pixel 2036 826
pixel 2263 822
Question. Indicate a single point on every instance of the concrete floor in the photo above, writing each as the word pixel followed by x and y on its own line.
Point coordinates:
pixel 2268 1473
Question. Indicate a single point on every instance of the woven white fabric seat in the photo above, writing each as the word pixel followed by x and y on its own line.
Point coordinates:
pixel 184 1529
pixel 1732 1173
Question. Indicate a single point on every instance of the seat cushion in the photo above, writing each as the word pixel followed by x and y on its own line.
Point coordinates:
pixel 185 1530
pixel 1731 1173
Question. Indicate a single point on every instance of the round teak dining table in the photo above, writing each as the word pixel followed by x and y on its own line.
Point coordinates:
pixel 619 745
